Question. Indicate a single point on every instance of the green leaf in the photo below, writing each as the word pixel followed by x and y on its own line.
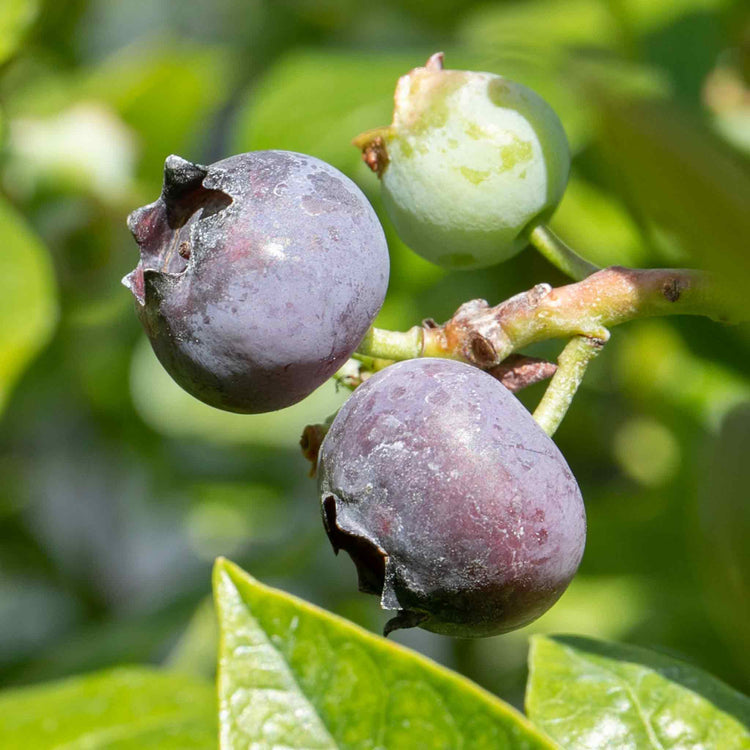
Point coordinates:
pixel 593 694
pixel 16 16
pixel 722 528
pixel 544 24
pixel 682 178
pixel 704 388
pixel 293 675
pixel 195 651
pixel 28 298
pixel 167 91
pixel 316 102
pixel 598 227
pixel 127 708
pixel 644 16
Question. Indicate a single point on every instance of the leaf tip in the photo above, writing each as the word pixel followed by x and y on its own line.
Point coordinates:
pixel 222 566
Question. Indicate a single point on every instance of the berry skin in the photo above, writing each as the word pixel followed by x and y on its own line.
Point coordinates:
pixel 259 275
pixel 471 164
pixel 456 508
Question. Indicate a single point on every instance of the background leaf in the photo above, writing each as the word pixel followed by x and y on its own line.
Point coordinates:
pixel 293 106
pixel 167 91
pixel 126 708
pixel 593 694
pixel 723 513
pixel 28 304
pixel 16 16
pixel 683 179
pixel 293 675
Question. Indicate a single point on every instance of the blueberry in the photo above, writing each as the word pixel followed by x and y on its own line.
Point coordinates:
pixel 456 508
pixel 471 164
pixel 259 276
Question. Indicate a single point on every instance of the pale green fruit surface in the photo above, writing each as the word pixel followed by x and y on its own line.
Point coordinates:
pixel 475 162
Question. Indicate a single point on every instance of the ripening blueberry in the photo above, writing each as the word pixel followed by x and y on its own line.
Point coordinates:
pixel 470 165
pixel 458 511
pixel 259 275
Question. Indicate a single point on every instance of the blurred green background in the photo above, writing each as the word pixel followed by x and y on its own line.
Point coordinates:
pixel 117 490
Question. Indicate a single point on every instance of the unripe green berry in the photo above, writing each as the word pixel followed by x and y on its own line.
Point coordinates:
pixel 470 165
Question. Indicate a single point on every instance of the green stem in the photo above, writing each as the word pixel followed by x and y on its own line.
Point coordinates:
pixel 380 343
pixel 560 255
pixel 571 367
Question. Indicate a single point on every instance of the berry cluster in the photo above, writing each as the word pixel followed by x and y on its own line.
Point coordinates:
pixel 261 274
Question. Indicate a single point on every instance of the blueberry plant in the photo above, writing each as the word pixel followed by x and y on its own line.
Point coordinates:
pixel 260 277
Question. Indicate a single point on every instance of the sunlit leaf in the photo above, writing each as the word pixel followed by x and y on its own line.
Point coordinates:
pixel 544 24
pixel 16 16
pixel 646 451
pixel 28 298
pixel 593 694
pixel 85 148
pixel 645 15
pixel 316 102
pixel 126 709
pixel 703 388
pixel 292 675
pixel 598 227
pixel 603 606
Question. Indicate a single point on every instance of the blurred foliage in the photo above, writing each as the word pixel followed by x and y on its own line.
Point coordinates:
pixel 28 304
pixel 126 708
pixel 117 489
pixel 15 18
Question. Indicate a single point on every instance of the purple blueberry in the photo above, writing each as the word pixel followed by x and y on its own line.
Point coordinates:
pixel 456 508
pixel 259 275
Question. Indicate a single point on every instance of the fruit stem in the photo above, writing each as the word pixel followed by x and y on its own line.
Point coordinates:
pixel 380 343
pixel 571 367
pixel 561 255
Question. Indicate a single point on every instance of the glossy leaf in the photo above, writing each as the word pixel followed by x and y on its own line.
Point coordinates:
pixel 593 694
pixel 28 298
pixel 126 708
pixel 295 676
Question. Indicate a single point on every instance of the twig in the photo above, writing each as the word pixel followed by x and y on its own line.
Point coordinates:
pixel 571 367
pixel 485 336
